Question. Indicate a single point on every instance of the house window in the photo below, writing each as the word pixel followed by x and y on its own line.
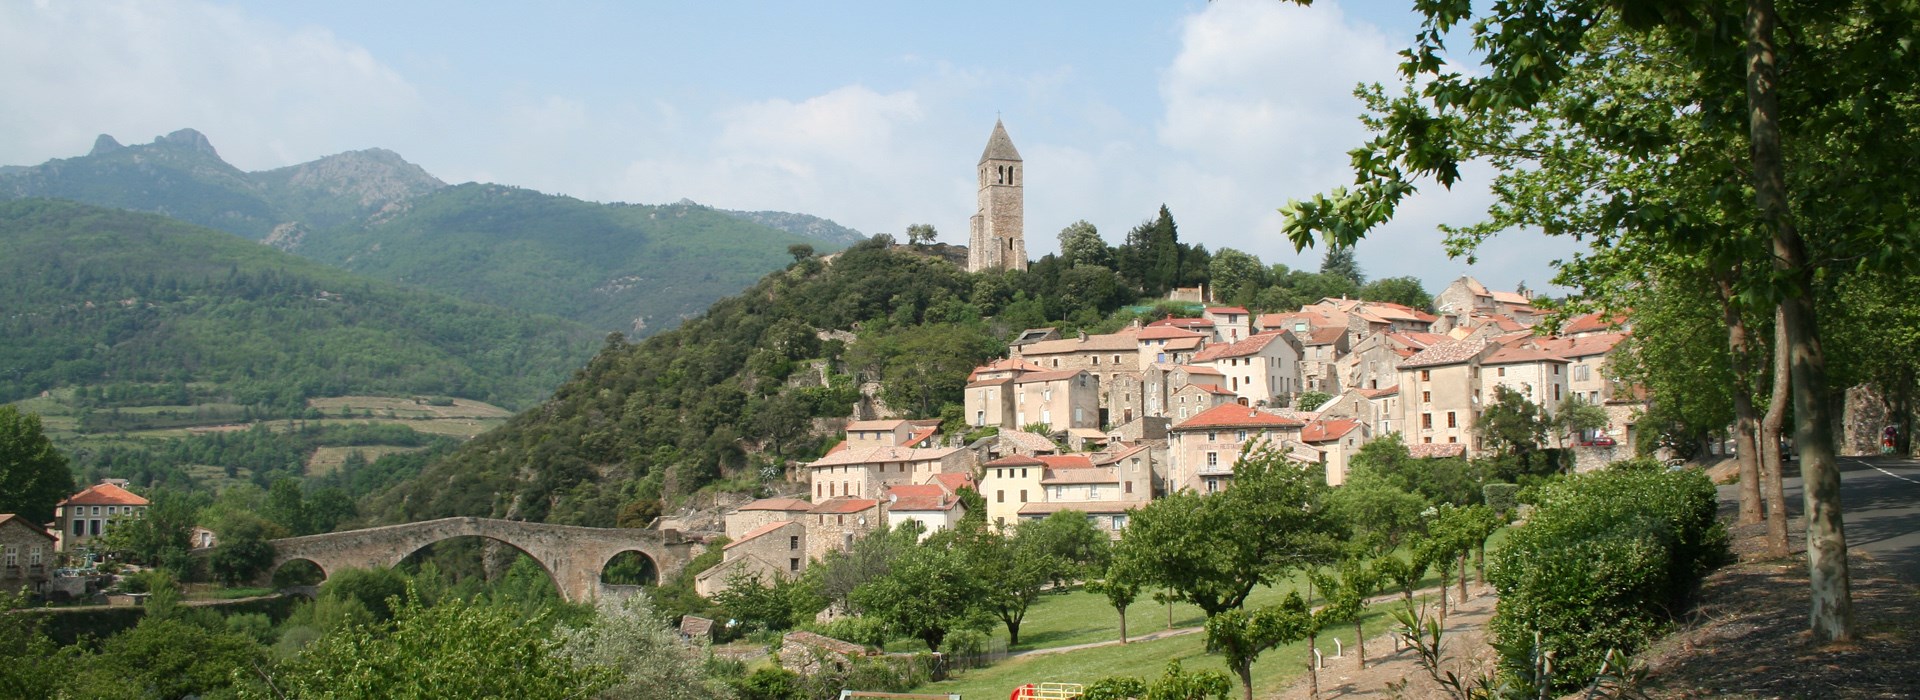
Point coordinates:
pixel 1426 375
pixel 1426 397
pixel 1023 495
pixel 1580 373
pixel 1556 392
pixel 1213 436
pixel 1556 369
pixel 1000 497
pixel 793 542
pixel 96 510
pixel 1451 439
pixel 1128 486
pixel 1427 440
pixel 1500 372
pixel 1119 522
pixel 94 526
pixel 33 556
pixel 1093 493
pixel 793 563
pixel 1213 486
pixel 79 528
pixel 1096 359
pixel 1426 421
pixel 1452 421
pixel 13 555
pixel 1116 359
pixel 1213 459
pixel 1242 436
pixel 1023 472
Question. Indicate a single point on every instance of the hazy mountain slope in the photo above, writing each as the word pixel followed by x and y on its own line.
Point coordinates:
pixel 627 267
pixel 92 297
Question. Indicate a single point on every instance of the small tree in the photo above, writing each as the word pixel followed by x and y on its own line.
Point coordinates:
pixel 1312 400
pixel 242 555
pixel 928 591
pixel 1512 423
pixel 1120 591
pixel 1578 417
pixel 1241 635
pixel 33 475
pixel 1352 582
pixel 921 234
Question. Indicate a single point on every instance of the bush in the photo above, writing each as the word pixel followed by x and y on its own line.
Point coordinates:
pixel 768 683
pixel 1502 498
pixel 964 648
pixel 856 629
pixel 1606 562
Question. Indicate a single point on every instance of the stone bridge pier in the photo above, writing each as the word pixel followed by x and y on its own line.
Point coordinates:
pixel 572 556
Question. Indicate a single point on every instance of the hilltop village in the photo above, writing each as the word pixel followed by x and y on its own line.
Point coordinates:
pixel 1102 424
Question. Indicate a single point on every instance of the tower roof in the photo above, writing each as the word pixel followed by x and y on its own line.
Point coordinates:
pixel 999 145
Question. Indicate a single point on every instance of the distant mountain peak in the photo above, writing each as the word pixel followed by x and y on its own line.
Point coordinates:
pixel 105 144
pixel 190 139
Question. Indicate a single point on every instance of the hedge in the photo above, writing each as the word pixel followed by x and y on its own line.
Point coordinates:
pixel 1607 561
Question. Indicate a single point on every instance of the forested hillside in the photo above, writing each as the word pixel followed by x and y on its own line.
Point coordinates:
pixel 124 304
pixel 626 267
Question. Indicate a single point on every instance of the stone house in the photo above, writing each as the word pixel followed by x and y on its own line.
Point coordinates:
pixel 1197 325
pixel 807 654
pixel 1230 323
pixel 1440 393
pixel 1202 450
pixel 1596 323
pixel 989 391
pixel 773 551
pixel 1587 359
pixel 1059 399
pixel 94 510
pixel 1376 409
pixel 1263 369
pixel 1159 382
pixel 1195 399
pixel 26 555
pixel 1320 351
pixel 1467 297
pixel 1374 361
pixel 834 524
pixel 1166 345
pixel 1336 440
pixel 1308 319
pixel 1111 358
pixel 932 505
pixel 1538 375
pixel 866 472
pixel 763 512
pixel 878 433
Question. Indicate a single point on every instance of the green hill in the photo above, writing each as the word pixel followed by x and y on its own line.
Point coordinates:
pixel 632 268
pixel 116 303
pixel 627 267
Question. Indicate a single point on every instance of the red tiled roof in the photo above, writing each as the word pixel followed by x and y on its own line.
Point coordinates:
pixel 915 439
pixel 1392 311
pixel 1234 415
pixel 1016 461
pixel 1196 369
pixel 870 425
pixel 1380 393
pixel 104 494
pixel 1226 310
pixel 1596 321
pixel 1066 461
pixel 842 505
pixel 1089 475
pixel 1004 365
pixel 1327 429
pixel 1108 458
pixel 758 531
pixel 954 482
pixel 1434 450
pixel 1003 381
pixel 1418 339
pixel 780 504
pixel 920 497
pixel 841 446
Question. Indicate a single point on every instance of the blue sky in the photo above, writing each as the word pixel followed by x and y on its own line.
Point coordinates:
pixel 869 113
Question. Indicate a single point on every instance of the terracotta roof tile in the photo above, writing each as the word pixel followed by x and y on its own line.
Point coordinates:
pixel 1226 310
pixel 1016 461
pixel 104 494
pixel 1236 416
pixel 1029 441
pixel 1087 475
pixel 1327 429
pixel 843 505
pixel 1249 346
pixel 1514 356
pixel 1380 393
pixel 1054 376
pixel 762 530
pixel 1211 389
pixel 1122 341
pixel 1182 323
pixel 874 425
pixel 1593 322
pixel 1067 461
pixel 1167 333
pixel 1325 336
pixel 1446 353
pixel 953 482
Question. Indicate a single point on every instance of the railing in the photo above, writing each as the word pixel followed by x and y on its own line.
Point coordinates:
pixel 1215 470
pixel 1051 691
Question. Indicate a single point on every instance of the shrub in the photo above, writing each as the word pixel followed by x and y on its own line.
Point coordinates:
pixel 1606 561
pixel 1502 498
pixel 964 648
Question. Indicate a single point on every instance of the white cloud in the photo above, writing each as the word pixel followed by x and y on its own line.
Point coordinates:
pixel 267 95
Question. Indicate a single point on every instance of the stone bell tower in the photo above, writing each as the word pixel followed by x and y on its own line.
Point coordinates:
pixel 998 239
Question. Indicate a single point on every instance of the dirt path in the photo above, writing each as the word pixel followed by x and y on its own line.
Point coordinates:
pixel 1464 652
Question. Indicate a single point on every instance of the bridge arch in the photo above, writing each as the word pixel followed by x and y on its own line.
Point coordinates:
pixel 573 556
pixel 622 570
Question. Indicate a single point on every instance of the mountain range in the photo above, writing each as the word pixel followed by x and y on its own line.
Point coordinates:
pixel 615 267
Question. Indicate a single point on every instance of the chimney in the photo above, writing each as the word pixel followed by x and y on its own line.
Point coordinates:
pixel 1083 336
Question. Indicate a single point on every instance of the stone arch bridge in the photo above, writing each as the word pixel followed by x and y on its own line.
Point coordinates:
pixel 573 556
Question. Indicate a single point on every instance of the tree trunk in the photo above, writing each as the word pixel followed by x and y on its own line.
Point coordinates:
pixel 1746 420
pixel 1013 633
pixel 1245 671
pixel 1463 576
pixel 1359 642
pixel 1773 459
pixel 1313 666
pixel 1480 563
pixel 1831 617
pixel 1123 625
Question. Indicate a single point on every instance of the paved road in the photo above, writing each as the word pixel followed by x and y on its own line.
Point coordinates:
pixel 1881 497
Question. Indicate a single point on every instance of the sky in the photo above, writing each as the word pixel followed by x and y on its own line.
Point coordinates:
pixel 872 114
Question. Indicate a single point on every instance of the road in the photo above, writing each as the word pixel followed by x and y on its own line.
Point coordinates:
pixel 1881 499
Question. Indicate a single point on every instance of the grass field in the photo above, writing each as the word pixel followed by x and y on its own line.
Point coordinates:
pixel 384 406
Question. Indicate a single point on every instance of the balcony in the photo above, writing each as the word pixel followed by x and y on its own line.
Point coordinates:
pixel 1215 470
